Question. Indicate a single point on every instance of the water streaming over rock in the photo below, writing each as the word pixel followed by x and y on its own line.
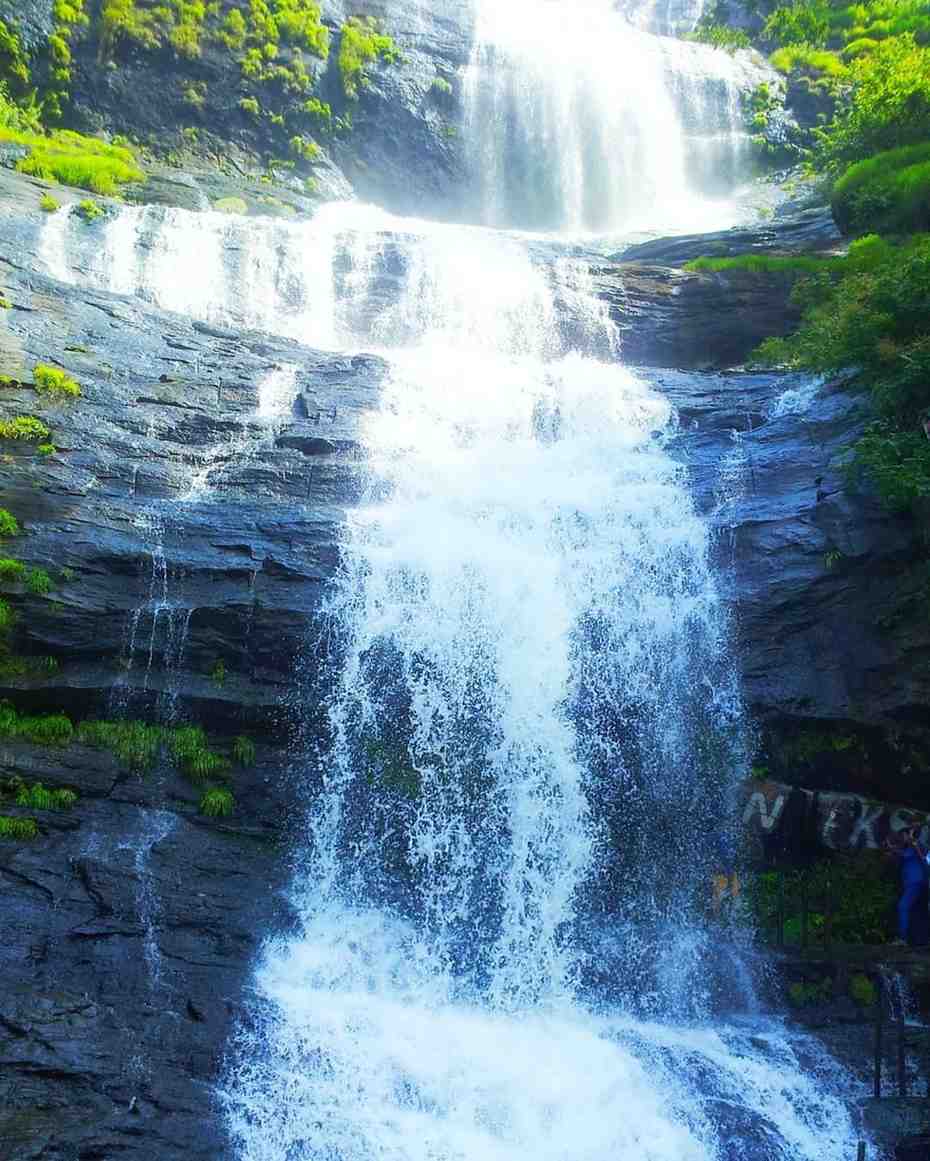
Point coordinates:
pixel 579 120
pixel 536 721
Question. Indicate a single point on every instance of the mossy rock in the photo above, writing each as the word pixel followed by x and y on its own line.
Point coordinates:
pixel 232 206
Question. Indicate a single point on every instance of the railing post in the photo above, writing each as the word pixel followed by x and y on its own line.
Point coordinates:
pixel 902 1060
pixel 877 1084
pixel 780 934
pixel 828 924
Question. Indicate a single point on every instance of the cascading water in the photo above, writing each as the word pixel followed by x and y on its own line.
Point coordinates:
pixel 536 723
pixel 577 120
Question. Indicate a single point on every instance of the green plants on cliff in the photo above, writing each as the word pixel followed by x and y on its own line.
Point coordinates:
pixel 9 525
pixel 21 829
pixel 217 802
pixel 863 991
pixel 133 743
pixel 23 427
pixel 49 205
pixel 244 751
pixel 54 381
pixel 889 192
pixel 88 210
pixel 73 159
pixel 38 797
pixel 861 892
pixel 188 746
pixel 720 36
pixel 888 106
pixel 361 44
pixel 874 323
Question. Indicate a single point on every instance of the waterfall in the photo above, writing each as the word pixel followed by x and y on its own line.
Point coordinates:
pixel 579 120
pixel 535 726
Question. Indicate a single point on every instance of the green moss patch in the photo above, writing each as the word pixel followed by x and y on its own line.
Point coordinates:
pixel 73 159
pixel 54 381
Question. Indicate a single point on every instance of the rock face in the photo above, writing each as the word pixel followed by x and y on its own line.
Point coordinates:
pixel 131 921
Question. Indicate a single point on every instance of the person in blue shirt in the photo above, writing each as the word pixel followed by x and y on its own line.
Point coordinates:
pixel 914 901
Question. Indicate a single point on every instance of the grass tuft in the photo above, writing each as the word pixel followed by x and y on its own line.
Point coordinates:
pixel 18 828
pixel 54 381
pixel 217 802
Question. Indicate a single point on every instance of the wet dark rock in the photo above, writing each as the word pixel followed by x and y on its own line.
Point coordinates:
pixel 805 231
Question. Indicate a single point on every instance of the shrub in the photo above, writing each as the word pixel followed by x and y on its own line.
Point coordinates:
pixel 9 526
pixel 46 449
pixel 37 797
pixel 798 23
pixel 18 828
pixel 218 673
pixel 7 617
pixel 88 210
pixel 889 192
pixel 11 570
pixel 54 381
pixel 809 61
pixel 48 205
pixel 889 105
pixel 361 44
pixel 442 86
pixel 862 990
pixel 217 803
pixel 38 582
pixel 251 106
pixel 244 750
pixel 23 427
pixel 720 36
pixel 305 148
pixel 231 206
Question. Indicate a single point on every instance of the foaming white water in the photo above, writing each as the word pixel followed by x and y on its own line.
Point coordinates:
pixel 531 650
pixel 577 120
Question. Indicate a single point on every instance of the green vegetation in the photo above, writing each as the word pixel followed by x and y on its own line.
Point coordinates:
pixel 46 449
pixel 244 751
pixel 217 802
pixel 361 44
pixel 37 797
pixel 889 192
pixel 73 159
pixel 88 210
pixel 218 673
pixel 863 991
pixel 23 427
pixel 719 35
pixel 9 525
pixel 231 206
pixel 18 828
pixel 48 204
pixel 305 148
pixel 874 323
pixel 803 995
pixel 54 381
pixel 38 582
pixel 862 891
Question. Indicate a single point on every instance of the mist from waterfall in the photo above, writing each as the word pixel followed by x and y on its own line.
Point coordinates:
pixel 535 725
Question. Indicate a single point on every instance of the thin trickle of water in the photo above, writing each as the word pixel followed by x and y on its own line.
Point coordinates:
pixel 156 826
pixel 277 391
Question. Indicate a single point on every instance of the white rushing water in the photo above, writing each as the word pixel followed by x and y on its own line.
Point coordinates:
pixel 536 723
pixel 579 120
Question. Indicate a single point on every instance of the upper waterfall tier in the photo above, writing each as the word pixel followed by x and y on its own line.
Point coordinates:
pixel 577 120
